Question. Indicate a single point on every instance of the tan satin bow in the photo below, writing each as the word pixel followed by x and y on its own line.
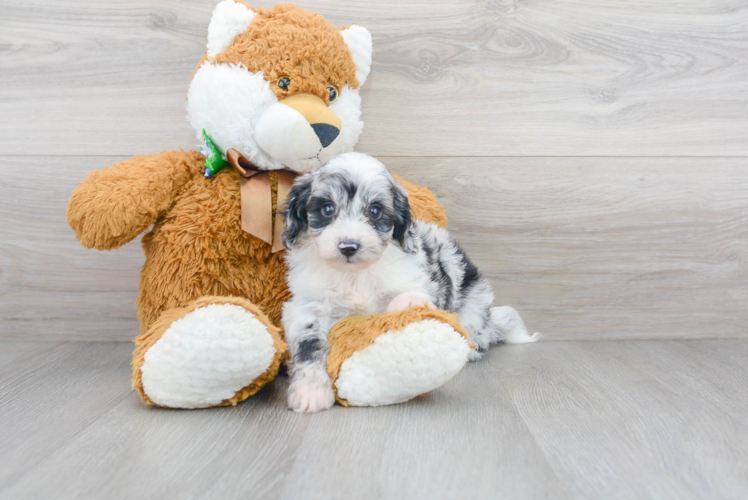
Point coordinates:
pixel 257 200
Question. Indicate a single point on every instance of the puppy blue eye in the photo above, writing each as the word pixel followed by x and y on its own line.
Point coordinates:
pixel 328 210
pixel 333 93
pixel 375 212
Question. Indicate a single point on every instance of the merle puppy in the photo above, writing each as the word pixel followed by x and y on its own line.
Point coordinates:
pixel 353 249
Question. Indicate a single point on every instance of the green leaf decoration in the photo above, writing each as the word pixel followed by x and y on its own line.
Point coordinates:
pixel 214 159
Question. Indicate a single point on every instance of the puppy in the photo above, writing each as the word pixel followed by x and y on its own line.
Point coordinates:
pixel 353 249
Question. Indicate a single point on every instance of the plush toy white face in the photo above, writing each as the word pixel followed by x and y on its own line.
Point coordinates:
pixel 272 87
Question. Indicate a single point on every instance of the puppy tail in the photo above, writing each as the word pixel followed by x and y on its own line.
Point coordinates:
pixel 509 326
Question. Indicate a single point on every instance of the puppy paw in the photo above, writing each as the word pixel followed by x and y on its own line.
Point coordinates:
pixel 310 392
pixel 475 354
pixel 407 300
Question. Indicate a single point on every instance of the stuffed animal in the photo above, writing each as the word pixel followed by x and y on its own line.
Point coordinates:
pixel 276 94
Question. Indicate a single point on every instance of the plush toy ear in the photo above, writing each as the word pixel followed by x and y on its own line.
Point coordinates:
pixel 358 40
pixel 229 19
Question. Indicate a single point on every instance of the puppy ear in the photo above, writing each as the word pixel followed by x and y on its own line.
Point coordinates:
pixel 229 19
pixel 403 230
pixel 295 214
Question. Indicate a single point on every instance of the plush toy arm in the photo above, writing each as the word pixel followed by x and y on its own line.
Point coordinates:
pixel 423 203
pixel 115 204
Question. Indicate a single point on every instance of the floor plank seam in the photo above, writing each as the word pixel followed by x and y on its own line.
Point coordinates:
pixel 535 441
pixel 121 399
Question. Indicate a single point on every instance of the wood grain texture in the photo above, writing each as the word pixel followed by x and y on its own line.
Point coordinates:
pixel 477 77
pixel 13 353
pixel 464 440
pixel 50 397
pixel 138 451
pixel 603 247
pixel 632 420
pixel 51 286
pixel 606 419
pixel 585 248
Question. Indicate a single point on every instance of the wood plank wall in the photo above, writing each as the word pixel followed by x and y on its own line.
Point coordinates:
pixel 592 155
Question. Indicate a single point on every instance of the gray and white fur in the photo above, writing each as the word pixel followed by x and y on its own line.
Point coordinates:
pixel 353 249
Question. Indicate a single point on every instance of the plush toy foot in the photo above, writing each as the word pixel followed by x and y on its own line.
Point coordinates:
pixel 216 351
pixel 391 358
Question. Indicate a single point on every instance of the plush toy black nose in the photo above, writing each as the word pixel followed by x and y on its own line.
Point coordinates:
pixel 348 248
pixel 326 133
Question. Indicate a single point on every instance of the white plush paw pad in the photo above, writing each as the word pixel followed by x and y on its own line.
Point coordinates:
pixel 400 365
pixel 206 356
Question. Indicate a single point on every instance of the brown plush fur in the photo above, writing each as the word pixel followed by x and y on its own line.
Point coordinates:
pixel 196 252
pixel 358 332
pixel 423 203
pixel 157 329
pixel 116 204
pixel 303 46
pixel 196 247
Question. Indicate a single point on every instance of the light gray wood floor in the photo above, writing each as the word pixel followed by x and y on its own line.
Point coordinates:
pixel 556 420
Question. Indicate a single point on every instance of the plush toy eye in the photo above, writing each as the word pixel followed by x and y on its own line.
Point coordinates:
pixel 333 93
pixel 328 209
pixel 284 82
pixel 375 212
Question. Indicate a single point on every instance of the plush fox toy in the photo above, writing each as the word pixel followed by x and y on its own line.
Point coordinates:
pixel 275 95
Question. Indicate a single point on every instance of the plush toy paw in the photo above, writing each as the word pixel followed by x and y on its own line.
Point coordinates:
pixel 395 356
pixel 211 354
pixel 408 300
pixel 310 391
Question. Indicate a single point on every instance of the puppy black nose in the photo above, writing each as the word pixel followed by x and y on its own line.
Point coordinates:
pixel 326 133
pixel 348 248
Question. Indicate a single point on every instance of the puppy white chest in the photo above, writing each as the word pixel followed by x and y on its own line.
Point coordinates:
pixel 361 295
pixel 362 305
